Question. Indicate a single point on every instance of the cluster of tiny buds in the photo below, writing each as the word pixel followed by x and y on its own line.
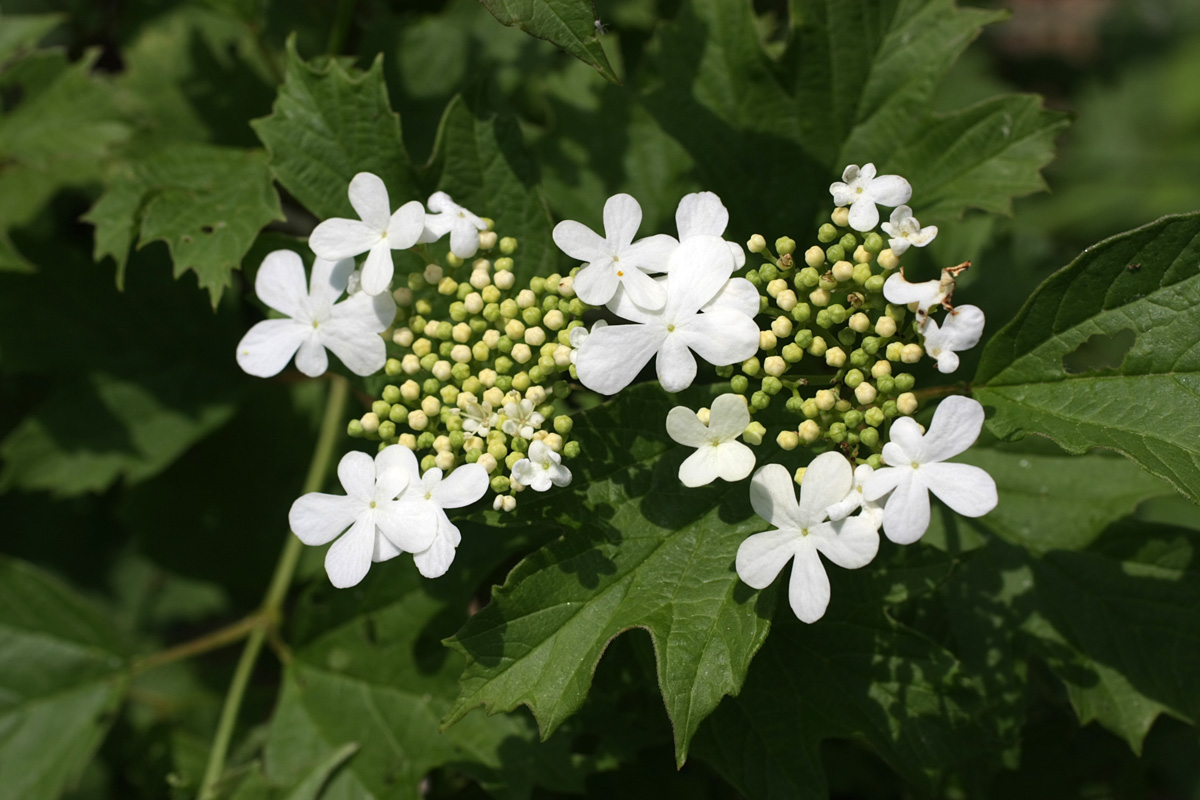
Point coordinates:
pixel 477 366
pixel 835 346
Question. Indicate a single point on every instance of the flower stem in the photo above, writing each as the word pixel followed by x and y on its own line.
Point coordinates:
pixel 943 391
pixel 269 613
pixel 214 640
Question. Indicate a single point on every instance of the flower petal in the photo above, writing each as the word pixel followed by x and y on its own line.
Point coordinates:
pixel 359 347
pixel 890 190
pixel 676 366
pixel 335 239
pixel 850 543
pixel 699 269
pixel 311 358
pixel 376 314
pixel 906 515
pixel 720 336
pixel 909 443
pixel 808 590
pixel 955 427
pixel 369 196
pixel 639 287
pixel 738 294
pixel 329 280
pixel 318 518
pixel 597 282
pixel 280 284
pixel 405 227
pixel 701 467
pixel 864 216
pixel 773 497
pixel 580 242
pixel 728 417
pixel 897 289
pixel 378 269
pixel 761 556
pixel 884 480
pixel 622 216
pixel 384 549
pixel 392 472
pixel 349 558
pixel 462 487
pixel 356 472
pixel 622 305
pixel 684 427
pixel 410 527
pixel 268 347
pixel 828 479
pixel 611 357
pixel 967 489
pixel 701 213
pixel 464 239
pixel 734 461
pixel 436 559
pixel 652 254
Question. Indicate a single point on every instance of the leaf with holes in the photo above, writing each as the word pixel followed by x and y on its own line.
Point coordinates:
pixel 1140 289
pixel 207 203
pixel 329 123
pixel 638 550
pixel 571 25
pixel 62 677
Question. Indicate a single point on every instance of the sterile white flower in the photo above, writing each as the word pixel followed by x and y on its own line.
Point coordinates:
pixel 377 233
pixel 915 468
pixel 719 454
pixel 703 213
pixel 861 190
pixel 801 532
pixel 904 231
pixel 522 420
pixel 960 330
pixel 350 328
pixel 616 261
pixel 378 528
pixel 477 418
pixel 854 500
pixel 611 357
pixel 925 295
pixel 579 334
pixel 451 218
pixel 541 468
pixel 424 503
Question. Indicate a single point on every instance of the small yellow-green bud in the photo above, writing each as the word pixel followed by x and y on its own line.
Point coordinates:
pixel 869 437
pixel 381 408
pixel 738 384
pixel 820 297
pixel 841 216
pixel 853 378
pixel 535 337
pixel 810 409
pixel 874 416
pixel 422 347
pixel 786 300
pixel 766 340
pixel 756 244
pixel 571 449
pixel 825 399
pixel 809 431
pixel 887 259
pixel 886 327
pixel 512 458
pixel 835 357
pixel 354 428
pixel 802 313
pixel 392 367
pixel 862 255
pixel 905 382
pixel 508 245
pixel 563 424
pixel 387 430
pixel 754 433
pixel 771 385
pixel 774 366
pixel 911 353
pixel 885 383
pixel 788 440
pixel 814 257
pixel 874 284
pixel 853 418
pixel 861 273
pixel 881 368
pixel 431 406
pixel 906 404
pixel 480 351
pixel 834 253
pixel 842 271
pixel 497 450
pixel 751 366
pixel 370 422
pixel 398 414
pixel 873 242
pixel 776 286
pixel 818 346
pixel 521 381
pixel 865 393
pixel 781 327
pixel 859 323
pixel 785 245
pixel 430 386
pixel 848 242
pixel 447 286
pixel 827 233
pixel 841 406
pixel 893 351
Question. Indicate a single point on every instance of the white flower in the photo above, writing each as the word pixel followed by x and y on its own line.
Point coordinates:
pixel 862 190
pixel 377 233
pixel 451 218
pixel 423 505
pixel 521 420
pixel 350 328
pixel 477 419
pixel 611 357
pixel 616 261
pixel 801 531
pixel 377 526
pixel 579 334
pixel 915 468
pixel 904 230
pixel 719 454
pixel 959 331
pixel 541 468
pixel 923 296
pixel 855 500
pixel 703 213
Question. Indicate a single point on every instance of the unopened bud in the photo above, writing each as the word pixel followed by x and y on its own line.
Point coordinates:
pixel 756 244
pixel 818 347
pixel 887 259
pixel 767 340
pixel 781 327
pixel 859 323
pixel 786 300
pixel 841 216
pixel 911 353
pixel 862 255
pixel 754 433
pixel 865 393
pixel 881 368
pixel 809 431
pixel 906 404
pixel 842 271
pixel 835 357
pixel 504 280
pixel 885 327
pixel 788 440
pixel 785 245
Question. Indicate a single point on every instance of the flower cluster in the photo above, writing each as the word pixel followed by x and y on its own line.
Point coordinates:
pixel 473 370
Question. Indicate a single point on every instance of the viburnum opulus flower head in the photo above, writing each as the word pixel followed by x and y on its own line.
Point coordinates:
pixel 315 321
pixel 960 330
pixel 377 232
pixel 802 532
pixel 451 218
pixel 915 468
pixel 905 230
pixel 616 260
pixel 371 522
pixel 718 454
pixel 862 190
pixel 611 357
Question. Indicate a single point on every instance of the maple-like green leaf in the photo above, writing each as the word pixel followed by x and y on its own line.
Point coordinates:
pixel 329 123
pixel 1104 354
pixel 207 203
pixel 481 162
pixel 570 24
pixel 62 678
pixel 637 550
pixel 369 669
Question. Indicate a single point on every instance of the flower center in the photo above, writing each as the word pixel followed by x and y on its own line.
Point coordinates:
pixel 804 531
pixel 915 465
pixel 315 324
pixel 429 495
pixel 858 190
pixel 620 274
pixel 670 328
pixel 372 504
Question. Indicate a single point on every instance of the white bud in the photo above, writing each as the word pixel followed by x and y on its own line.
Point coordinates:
pixel 494 396
pixel 814 257
pixel 842 271
pixel 766 340
pixel 704 414
pixel 473 303
pixel 410 364
pixel 864 393
pixel 410 390
pixel 480 279
pixel 461 354
pixel 819 297
pixel 402 337
pixel 403 296
pixel 554 442
pixel 433 274
pixel 461 333
pixel 887 259
pixel 809 431
pixel 487 240
pixel 431 406
pixel 911 353
pixel 487 377
pixel 430 329
pixel 514 329
pixel 505 280
pixel 841 216
pixel 862 255
pixel 776 286
pixel 788 440
pixel 881 368
pixel 562 356
pixel 781 327
pixel 521 353
pixel 441 370
pixel 408 440
pixel 825 399
pixel 859 323
pixel 786 300
pixel 536 395
pixel 554 320
pixel 886 327
pixel 442 442
pixel 488 462
pixel 418 420
pixel 566 287
pixel 906 404
pixel 774 365
pixel 535 337
pixel 526 298
pixel 444 460
pixel 370 422
pixel 835 357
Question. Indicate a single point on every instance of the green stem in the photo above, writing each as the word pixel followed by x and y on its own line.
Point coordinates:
pixel 269 612
pixel 341 27
pixel 199 646
pixel 943 391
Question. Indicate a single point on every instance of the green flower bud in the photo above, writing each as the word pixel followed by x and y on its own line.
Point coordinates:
pixel 760 400
pixel 905 382
pixel 381 408
pixel 847 337
pixel 458 311
pixel 504 382
pixel 795 405
pixel 793 352
pixel 886 384
pixel 873 242
pixel 428 462
pixel 756 244
pixel 871 345
pixel 508 246
pixel 398 414
pixel 504 364
pixel 869 437
pixel 576 307
pixel 771 385
pixel 532 316
pixel 751 366
pixel 848 242
pixel 428 360
pixel 521 381
pixel 859 358
pixel 391 394
pixel 354 428
pixel 875 461
pixel 874 284
pixel 563 424
pixel 802 312
pixel 537 375
pixel 430 386
pixel 387 430
pixel 392 367
pixel 449 393
pixel 874 417
pixel 571 449
pixel 807 278
pixel 755 279
pixel 738 384
pixel 804 339
pixel 853 418
pixel 425 440
pixel 861 273
pixel 464 289
pixel 890 409
pixel 838 313
pixel 768 273
pixel 445 349
pixel 824 320
pixel 785 245
pixel 509 308
pixel 835 253
pixel 725 371
pixel 497 450
pixel 826 234
pixel 853 378
pixel 837 432
pixel 810 408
